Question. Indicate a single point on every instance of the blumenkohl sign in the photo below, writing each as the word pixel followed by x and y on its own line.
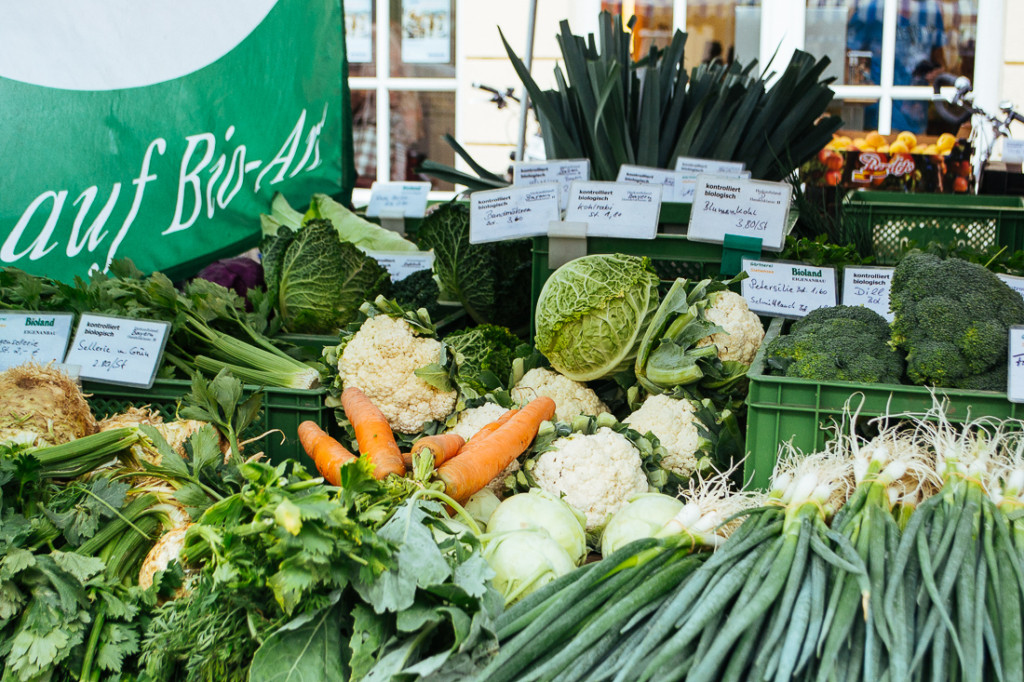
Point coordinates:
pixel 161 130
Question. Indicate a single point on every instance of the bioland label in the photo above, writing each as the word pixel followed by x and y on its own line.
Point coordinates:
pixel 118 350
pixel 398 199
pixel 167 154
pixel 512 213
pixel 564 172
pixel 747 208
pixel 868 287
pixel 35 337
pixel 788 289
pixel 612 209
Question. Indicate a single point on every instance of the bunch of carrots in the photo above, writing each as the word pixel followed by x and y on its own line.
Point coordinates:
pixel 463 467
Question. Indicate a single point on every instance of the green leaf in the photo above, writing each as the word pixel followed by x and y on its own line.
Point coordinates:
pixel 116 642
pixel 306 649
pixel 369 632
pixel 81 567
pixel 473 575
pixel 205 446
pixel 169 459
pixel 435 375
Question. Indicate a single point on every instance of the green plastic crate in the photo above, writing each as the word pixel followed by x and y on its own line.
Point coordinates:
pixel 781 409
pixel 892 220
pixel 283 409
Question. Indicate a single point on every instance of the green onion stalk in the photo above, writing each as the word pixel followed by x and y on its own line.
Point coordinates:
pixel 749 611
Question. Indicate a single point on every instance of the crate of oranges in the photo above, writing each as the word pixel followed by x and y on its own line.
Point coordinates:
pixel 902 162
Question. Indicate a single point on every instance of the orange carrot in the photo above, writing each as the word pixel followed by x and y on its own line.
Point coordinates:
pixel 488 429
pixel 326 452
pixel 480 461
pixel 443 446
pixel 374 435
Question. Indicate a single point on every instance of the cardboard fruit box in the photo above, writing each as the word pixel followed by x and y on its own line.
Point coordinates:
pixel 898 163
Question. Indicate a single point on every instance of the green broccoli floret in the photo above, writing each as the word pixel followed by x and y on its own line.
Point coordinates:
pixel 952 318
pixel 418 290
pixel 484 355
pixel 845 343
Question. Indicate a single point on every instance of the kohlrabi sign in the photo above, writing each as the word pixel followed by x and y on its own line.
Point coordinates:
pixel 160 130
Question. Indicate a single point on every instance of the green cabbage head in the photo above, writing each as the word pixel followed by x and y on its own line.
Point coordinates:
pixel 593 312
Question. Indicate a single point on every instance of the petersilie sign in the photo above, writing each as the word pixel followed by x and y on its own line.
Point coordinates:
pixel 160 130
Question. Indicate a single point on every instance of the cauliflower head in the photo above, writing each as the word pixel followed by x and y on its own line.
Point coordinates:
pixel 597 473
pixel 571 397
pixel 674 423
pixel 381 360
pixel 475 418
pixel 743 329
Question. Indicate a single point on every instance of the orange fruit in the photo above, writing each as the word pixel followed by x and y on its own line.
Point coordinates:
pixel 945 142
pixel 874 139
pixel 907 138
pixel 898 147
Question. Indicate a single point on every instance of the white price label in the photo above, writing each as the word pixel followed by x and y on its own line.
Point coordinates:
pixel 687 188
pixel 694 167
pixel 564 172
pixel 675 186
pixel 612 209
pixel 1015 283
pixel 747 208
pixel 512 213
pixel 788 289
pixel 401 264
pixel 1013 151
pixel 398 200
pixel 1015 375
pixel 118 350
pixel 868 287
pixel 36 337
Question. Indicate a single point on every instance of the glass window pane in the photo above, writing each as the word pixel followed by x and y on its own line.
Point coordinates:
pixel 722 30
pixel 360 27
pixel 423 38
pixel 364 136
pixel 857 114
pixel 919 117
pixel 653 23
pixel 418 120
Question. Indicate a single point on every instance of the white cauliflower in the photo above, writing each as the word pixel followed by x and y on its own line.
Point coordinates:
pixel 571 397
pixel 743 329
pixel 597 474
pixel 475 418
pixel 381 360
pixel 674 423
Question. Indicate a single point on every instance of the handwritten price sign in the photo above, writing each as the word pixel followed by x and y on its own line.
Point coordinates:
pixel 745 208
pixel 117 350
pixel 788 289
pixel 614 209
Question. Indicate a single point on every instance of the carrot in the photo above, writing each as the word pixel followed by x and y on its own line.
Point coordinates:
pixel 488 429
pixel 327 453
pixel 443 446
pixel 374 435
pixel 480 461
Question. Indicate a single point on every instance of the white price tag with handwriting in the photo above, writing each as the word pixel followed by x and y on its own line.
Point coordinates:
pixel 512 212
pixel 687 188
pixel 613 209
pixel 118 350
pixel 401 264
pixel 747 208
pixel 869 287
pixel 675 186
pixel 398 199
pixel 1015 375
pixel 1015 283
pixel 1013 150
pixel 564 172
pixel 694 167
pixel 788 289
pixel 35 337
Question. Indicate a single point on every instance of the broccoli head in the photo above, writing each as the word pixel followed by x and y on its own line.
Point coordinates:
pixel 418 290
pixel 951 317
pixel 844 343
pixel 482 351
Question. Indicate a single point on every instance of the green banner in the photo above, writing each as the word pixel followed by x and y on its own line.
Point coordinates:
pixel 160 131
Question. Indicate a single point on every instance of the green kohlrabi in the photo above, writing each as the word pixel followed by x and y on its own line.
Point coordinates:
pixel 593 312
pixel 316 281
pixel 642 517
pixel 540 509
pixel 524 561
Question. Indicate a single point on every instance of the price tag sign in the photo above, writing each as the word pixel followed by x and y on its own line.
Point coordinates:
pixel 564 172
pixel 401 264
pixel 118 350
pixel 868 287
pixel 675 186
pixel 687 189
pixel 694 166
pixel 747 208
pixel 788 289
pixel 1015 375
pixel 1015 283
pixel 36 337
pixel 512 213
pixel 398 199
pixel 613 209
pixel 1013 151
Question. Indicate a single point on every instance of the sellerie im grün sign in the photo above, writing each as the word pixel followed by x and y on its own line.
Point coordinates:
pixel 159 131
